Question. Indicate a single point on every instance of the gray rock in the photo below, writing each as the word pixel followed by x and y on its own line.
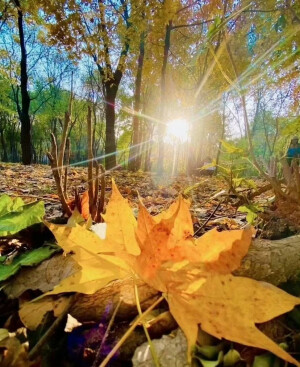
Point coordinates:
pixel 171 351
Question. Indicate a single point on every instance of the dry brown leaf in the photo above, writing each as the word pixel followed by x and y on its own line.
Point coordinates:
pixel 44 277
pixel 32 313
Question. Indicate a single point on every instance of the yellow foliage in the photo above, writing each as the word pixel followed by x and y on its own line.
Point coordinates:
pixel 229 307
pixel 194 274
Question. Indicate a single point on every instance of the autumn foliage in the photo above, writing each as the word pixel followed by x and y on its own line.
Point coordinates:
pixel 194 274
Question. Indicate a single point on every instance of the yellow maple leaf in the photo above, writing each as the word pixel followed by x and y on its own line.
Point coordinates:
pixel 97 270
pixel 222 252
pixel 168 239
pixel 121 223
pixel 229 307
pixel 195 274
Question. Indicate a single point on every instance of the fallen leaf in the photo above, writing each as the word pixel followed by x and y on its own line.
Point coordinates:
pixel 14 354
pixel 121 223
pixel 29 258
pixel 4 334
pixel 195 274
pixel 222 252
pixel 32 313
pixel 85 205
pixel 229 307
pixel 15 215
pixel 96 272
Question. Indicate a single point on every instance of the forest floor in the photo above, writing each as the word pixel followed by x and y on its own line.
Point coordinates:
pixel 211 206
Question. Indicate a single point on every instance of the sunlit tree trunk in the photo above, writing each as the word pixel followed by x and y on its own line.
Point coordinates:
pixel 23 110
pixel 222 136
pixel 110 116
pixel 135 150
pixel 162 126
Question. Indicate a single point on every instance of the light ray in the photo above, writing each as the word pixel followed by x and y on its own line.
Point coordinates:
pixel 101 157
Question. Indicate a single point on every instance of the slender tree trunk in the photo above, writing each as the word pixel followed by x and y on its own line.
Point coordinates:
pixel 162 126
pixel 26 144
pixel 4 149
pixel 222 138
pixel 135 151
pixel 110 117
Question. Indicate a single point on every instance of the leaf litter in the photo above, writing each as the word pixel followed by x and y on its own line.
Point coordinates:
pixel 193 274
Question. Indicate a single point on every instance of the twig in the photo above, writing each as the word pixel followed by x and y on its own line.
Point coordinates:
pixel 67 162
pixel 56 171
pixel 208 219
pixel 107 331
pixel 128 332
pixel 96 187
pixel 90 162
pixel 101 200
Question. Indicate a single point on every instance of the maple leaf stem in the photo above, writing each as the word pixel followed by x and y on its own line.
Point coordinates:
pixel 128 332
pixel 152 348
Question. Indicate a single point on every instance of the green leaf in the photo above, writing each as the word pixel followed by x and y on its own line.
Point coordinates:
pixel 29 258
pixel 251 211
pixel 191 188
pixel 239 181
pixel 3 334
pixel 206 363
pixel 208 351
pixel 214 27
pixel 266 360
pixel 231 148
pixel 280 24
pixel 8 205
pixel 251 215
pixel 231 358
pixel 24 217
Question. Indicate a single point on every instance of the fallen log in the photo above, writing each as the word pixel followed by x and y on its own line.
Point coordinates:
pixel 272 261
pixel 275 262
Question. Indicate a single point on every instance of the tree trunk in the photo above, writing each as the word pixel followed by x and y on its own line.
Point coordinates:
pixel 4 149
pixel 222 138
pixel 110 117
pixel 162 126
pixel 26 144
pixel 135 149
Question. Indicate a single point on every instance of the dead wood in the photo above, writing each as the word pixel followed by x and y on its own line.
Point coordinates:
pixel 272 261
pixel 275 262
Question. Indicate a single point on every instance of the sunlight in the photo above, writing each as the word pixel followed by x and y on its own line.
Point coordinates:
pixel 177 130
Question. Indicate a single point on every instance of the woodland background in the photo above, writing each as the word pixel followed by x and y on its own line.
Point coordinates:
pixel 230 68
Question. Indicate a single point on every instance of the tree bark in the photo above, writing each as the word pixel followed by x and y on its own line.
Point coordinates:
pixel 110 117
pixel 26 144
pixel 162 126
pixel 222 138
pixel 275 262
pixel 135 150
pixel 4 149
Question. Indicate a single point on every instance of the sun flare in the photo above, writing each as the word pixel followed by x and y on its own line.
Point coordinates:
pixel 177 130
